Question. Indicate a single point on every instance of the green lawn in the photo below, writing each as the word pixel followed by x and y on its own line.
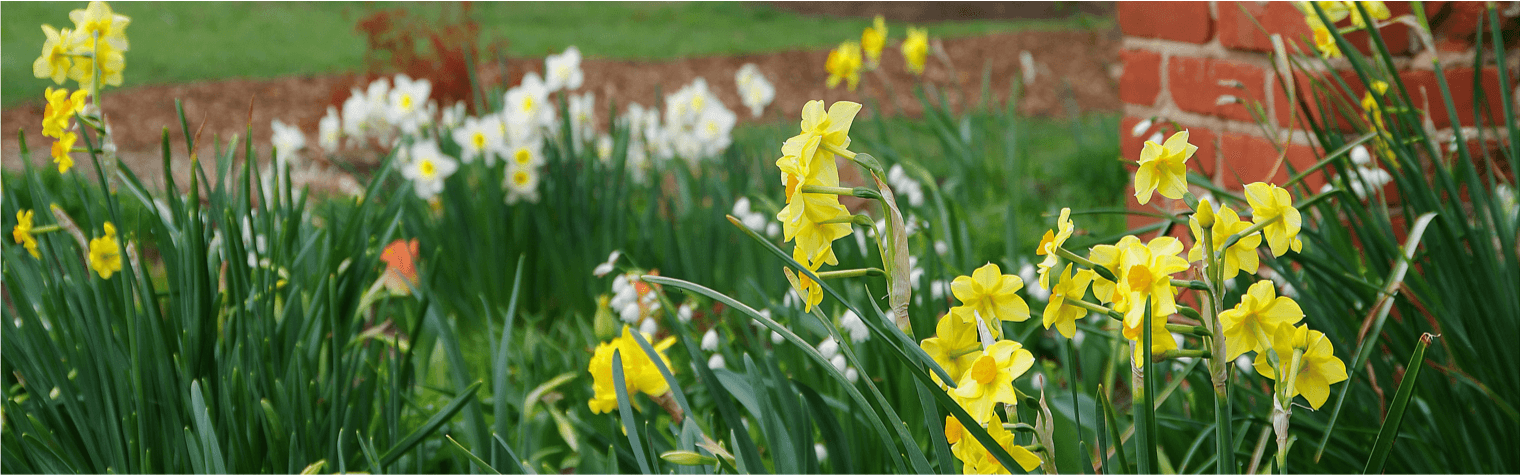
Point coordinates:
pixel 185 41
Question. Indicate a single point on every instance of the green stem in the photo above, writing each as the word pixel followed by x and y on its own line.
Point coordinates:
pixel 1190 284
pixel 841 274
pixel 1185 353
pixel 1103 272
pixel 1171 327
pixel 44 229
pixel 842 191
pixel 828 147
pixel 1219 371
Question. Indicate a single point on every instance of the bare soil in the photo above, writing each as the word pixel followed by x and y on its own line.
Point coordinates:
pixel 1072 68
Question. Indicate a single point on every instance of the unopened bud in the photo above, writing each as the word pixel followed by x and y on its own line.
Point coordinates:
pixel 1205 213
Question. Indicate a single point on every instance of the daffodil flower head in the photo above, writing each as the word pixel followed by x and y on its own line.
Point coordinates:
pixel 97 18
pixel 427 167
pixel 915 49
pixel 1260 308
pixel 1147 272
pixel 61 149
pixel 843 64
pixel 640 375
pixel 22 233
pixel 102 55
pixel 521 183
pixel 105 253
pixel 61 107
pixel 1111 257
pixel 873 39
pixel 1240 256
pixel 1053 240
pixel 993 295
pixel 802 163
pixel 1163 168
pixel 1270 203
pixel 55 61
pixel 976 459
pixel 955 344
pixel 1133 303
pixel 989 380
pixel 810 292
pixel 1318 367
pixel 1059 312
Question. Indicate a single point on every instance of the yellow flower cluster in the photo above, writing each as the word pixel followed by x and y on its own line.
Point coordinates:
pixel 845 62
pixel 966 345
pixel 61 107
pixel 22 233
pixel 873 39
pixel 94 46
pixel 844 65
pixel 815 220
pixel 105 253
pixel 1336 11
pixel 639 371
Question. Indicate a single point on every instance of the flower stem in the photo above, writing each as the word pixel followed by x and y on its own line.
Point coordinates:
pixel 841 274
pixel 1103 272
pixel 828 147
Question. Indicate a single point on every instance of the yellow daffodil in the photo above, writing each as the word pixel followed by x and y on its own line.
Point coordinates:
pixel 1053 240
pixel 639 371
pixel 989 380
pixel 976 459
pixel 955 344
pixel 1323 40
pixel 806 160
pixel 1270 203
pixel 61 149
pixel 1163 168
pixel 1370 109
pixel 873 39
pixel 105 253
pixel 22 233
pixel 1147 272
pixel 915 49
pixel 1318 367
pixel 1260 308
pixel 992 295
pixel 1110 257
pixel 1125 302
pixel 1059 312
pixel 55 62
pixel 61 107
pixel 97 18
pixel 844 65
pixel 810 292
pixel 110 62
pixel 954 430
pixel 1240 256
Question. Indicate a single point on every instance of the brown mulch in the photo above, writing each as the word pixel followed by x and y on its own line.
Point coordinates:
pixel 1074 67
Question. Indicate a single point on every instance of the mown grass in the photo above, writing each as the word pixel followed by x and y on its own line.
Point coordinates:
pixel 187 41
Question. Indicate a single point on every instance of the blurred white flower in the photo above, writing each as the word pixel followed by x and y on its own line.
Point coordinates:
pixel 852 324
pixel 851 375
pixel 582 117
pixel 1140 128
pixel 330 130
pixel 754 90
pixel 683 312
pixel 564 70
pixel 478 138
pixel 607 267
pixel 649 326
pixel 604 145
pixel 828 347
pixel 521 184
pixel 716 361
pixel 907 189
pixel 527 105
pixel 776 338
pixel 427 168
pixel 1359 155
pixel 710 340
pixel 839 363
pixel 287 140
pixel 406 107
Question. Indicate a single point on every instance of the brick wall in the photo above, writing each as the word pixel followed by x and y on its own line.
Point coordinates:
pixel 1199 63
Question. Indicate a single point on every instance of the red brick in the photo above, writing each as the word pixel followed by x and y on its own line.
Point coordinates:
pixel 1459 20
pixel 1425 92
pixel 1395 36
pixel 1177 21
pixel 1141 83
pixel 1248 158
pixel 1238 31
pixel 1195 84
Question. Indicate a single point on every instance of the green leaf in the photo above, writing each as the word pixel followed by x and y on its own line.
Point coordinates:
pixel 1390 429
pixel 448 412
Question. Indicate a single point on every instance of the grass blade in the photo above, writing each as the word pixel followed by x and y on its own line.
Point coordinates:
pixel 1390 429
pixel 432 425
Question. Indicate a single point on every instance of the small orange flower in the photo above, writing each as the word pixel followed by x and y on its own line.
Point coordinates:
pixel 400 269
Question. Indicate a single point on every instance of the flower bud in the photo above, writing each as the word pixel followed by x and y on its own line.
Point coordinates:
pixel 1205 213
